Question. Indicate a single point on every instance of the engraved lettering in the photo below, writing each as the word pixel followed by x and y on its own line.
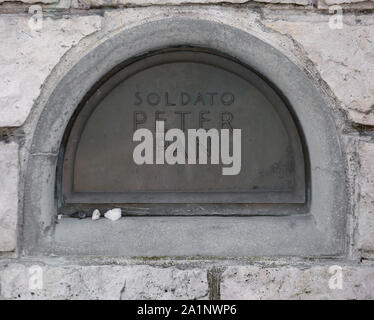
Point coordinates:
pixel 227 98
pixel 168 103
pixel 140 117
pixel 138 100
pixel 211 94
pixel 153 99
pixel 185 98
pixel 182 116
pixel 158 118
pixel 226 118
pixel 199 99
pixel 202 119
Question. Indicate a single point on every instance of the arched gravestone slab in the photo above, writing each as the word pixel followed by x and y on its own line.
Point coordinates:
pixel 188 89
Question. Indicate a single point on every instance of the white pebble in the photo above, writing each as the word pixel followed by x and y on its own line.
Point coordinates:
pixel 96 214
pixel 113 214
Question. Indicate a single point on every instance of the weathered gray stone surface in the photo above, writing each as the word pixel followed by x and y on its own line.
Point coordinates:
pixel 260 283
pixel 116 3
pixel 366 201
pixel 31 1
pixel 332 2
pixel 344 57
pixel 345 61
pixel 334 8
pixel 28 56
pixel 87 4
pixel 105 282
pixel 8 195
pixel 247 282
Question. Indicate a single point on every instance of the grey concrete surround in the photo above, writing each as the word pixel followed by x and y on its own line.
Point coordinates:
pixel 319 232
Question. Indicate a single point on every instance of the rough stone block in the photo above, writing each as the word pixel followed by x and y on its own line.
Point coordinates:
pixel 118 3
pixel 31 1
pixel 366 200
pixel 104 282
pixel 287 282
pixel 332 2
pixel 344 58
pixel 8 195
pixel 28 56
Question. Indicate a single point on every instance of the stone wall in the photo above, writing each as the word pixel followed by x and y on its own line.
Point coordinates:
pixel 35 54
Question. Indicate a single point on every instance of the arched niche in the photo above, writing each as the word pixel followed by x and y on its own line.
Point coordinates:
pixel 308 219
pixel 187 88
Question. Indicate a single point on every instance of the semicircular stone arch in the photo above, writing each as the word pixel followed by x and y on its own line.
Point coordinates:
pixel 289 199
pixel 185 88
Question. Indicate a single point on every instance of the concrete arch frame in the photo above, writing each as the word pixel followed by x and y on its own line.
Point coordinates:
pixel 320 232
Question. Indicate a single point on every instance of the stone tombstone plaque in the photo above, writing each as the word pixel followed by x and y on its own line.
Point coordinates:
pixel 187 89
